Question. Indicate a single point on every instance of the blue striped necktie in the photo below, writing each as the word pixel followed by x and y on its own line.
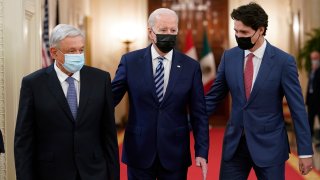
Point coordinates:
pixel 72 97
pixel 159 79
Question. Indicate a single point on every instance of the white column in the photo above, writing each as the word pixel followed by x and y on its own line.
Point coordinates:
pixel 20 23
pixel 2 97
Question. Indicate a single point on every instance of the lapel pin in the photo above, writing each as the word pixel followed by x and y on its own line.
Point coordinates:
pixel 178 66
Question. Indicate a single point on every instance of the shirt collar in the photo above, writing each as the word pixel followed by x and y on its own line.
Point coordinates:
pixel 155 54
pixel 62 76
pixel 258 52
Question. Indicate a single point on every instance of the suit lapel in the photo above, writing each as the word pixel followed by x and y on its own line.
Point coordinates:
pixel 85 89
pixel 55 88
pixel 176 67
pixel 239 72
pixel 146 63
pixel 264 71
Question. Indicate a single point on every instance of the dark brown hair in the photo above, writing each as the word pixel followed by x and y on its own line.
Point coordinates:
pixel 251 15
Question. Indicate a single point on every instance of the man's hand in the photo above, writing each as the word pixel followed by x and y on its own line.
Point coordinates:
pixel 201 162
pixel 305 165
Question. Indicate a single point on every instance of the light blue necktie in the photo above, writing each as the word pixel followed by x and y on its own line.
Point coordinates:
pixel 72 97
pixel 159 79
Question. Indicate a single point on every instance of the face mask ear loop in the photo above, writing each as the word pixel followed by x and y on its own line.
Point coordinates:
pixel 154 34
pixel 257 40
pixel 253 35
pixel 63 56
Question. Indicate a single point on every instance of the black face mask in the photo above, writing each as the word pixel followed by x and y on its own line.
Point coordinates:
pixel 166 42
pixel 245 42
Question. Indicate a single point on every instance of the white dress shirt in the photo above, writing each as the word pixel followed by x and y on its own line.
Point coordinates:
pixel 64 84
pixel 166 64
pixel 257 59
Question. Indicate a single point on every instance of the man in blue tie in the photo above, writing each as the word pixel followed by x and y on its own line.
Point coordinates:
pixel 258 76
pixel 164 86
pixel 65 126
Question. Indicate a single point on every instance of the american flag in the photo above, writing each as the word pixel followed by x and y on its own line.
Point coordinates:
pixel 46 59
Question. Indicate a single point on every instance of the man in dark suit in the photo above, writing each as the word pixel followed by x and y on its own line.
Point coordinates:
pixel 164 86
pixel 65 126
pixel 258 76
pixel 313 90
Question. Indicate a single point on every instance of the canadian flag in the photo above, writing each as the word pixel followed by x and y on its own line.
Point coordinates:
pixel 190 49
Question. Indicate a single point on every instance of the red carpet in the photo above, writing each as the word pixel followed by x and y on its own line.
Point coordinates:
pixel 194 173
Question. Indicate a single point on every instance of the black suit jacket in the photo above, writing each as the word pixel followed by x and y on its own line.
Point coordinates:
pixel 50 144
pixel 1 143
pixel 312 99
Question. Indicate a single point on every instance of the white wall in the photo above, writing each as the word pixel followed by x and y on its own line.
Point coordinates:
pixel 3 170
pixel 20 55
pixel 112 21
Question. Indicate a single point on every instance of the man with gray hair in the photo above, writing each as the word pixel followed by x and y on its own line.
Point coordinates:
pixel 65 125
pixel 164 86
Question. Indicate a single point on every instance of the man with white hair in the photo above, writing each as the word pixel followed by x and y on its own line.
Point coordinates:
pixel 65 126
pixel 164 86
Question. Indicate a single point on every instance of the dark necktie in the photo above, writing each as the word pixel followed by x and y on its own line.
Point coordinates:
pixel 311 77
pixel 248 75
pixel 72 97
pixel 159 79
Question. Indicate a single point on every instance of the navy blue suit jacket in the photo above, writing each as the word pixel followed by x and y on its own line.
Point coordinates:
pixel 261 117
pixel 49 144
pixel 161 129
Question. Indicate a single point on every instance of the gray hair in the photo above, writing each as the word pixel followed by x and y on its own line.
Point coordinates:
pixel 156 13
pixel 61 31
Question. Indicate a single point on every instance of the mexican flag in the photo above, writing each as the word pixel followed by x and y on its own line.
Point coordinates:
pixel 208 65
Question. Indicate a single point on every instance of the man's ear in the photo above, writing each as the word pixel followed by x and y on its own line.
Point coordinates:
pixel 53 52
pixel 150 33
pixel 261 29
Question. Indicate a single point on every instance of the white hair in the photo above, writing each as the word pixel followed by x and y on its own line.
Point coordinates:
pixel 158 12
pixel 61 31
